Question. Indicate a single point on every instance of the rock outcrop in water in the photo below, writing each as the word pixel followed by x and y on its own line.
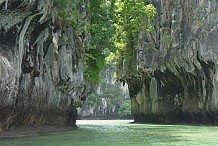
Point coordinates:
pixel 176 77
pixel 41 73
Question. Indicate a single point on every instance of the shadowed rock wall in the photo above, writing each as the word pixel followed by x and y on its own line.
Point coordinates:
pixel 177 77
pixel 41 73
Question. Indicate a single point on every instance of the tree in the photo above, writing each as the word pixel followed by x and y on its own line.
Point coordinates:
pixel 131 17
pixel 107 24
pixel 125 109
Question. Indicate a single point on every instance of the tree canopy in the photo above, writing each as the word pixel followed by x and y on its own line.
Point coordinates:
pixel 107 24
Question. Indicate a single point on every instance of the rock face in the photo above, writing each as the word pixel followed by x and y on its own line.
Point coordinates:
pixel 41 73
pixel 105 102
pixel 176 77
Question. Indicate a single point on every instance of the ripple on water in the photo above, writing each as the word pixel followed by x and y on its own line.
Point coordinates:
pixel 121 133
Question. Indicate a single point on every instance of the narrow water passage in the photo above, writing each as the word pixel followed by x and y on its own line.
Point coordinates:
pixel 122 133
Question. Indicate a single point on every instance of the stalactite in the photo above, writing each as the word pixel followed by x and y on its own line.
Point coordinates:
pixel 37 74
pixel 183 84
pixel 6 4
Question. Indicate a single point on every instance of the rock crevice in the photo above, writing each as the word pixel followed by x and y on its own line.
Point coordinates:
pixel 177 65
pixel 41 70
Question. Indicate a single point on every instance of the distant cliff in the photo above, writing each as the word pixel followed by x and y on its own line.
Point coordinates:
pixel 175 77
pixel 41 72
pixel 106 101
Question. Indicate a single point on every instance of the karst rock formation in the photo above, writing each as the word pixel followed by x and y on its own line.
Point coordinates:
pixel 175 77
pixel 41 70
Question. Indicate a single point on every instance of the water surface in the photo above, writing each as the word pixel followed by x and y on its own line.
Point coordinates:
pixel 122 133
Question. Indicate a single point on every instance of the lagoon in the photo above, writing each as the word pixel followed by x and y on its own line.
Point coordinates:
pixel 122 133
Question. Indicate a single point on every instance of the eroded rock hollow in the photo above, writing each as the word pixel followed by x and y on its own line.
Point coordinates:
pixel 176 77
pixel 41 73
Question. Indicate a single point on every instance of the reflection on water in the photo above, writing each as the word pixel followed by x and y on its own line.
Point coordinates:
pixel 122 133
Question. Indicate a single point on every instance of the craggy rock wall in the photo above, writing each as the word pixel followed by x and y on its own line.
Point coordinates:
pixel 41 74
pixel 177 76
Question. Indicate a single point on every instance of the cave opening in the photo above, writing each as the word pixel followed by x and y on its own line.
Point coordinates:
pixel 170 97
pixel 168 84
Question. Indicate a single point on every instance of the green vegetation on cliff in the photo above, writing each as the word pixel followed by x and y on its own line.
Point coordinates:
pixel 101 31
pixel 107 24
pixel 131 17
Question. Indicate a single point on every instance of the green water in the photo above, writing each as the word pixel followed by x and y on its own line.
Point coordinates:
pixel 121 133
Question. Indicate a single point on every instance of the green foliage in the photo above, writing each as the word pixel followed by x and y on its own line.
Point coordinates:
pixel 92 99
pixel 114 94
pixel 101 30
pixel 131 17
pixel 106 102
pixel 70 10
pixel 125 109
pixel 166 38
pixel 107 24
pixel 93 64
pixel 204 35
pixel 60 3
pixel 93 20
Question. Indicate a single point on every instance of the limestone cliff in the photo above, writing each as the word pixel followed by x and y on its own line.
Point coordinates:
pixel 41 73
pixel 106 101
pixel 176 77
